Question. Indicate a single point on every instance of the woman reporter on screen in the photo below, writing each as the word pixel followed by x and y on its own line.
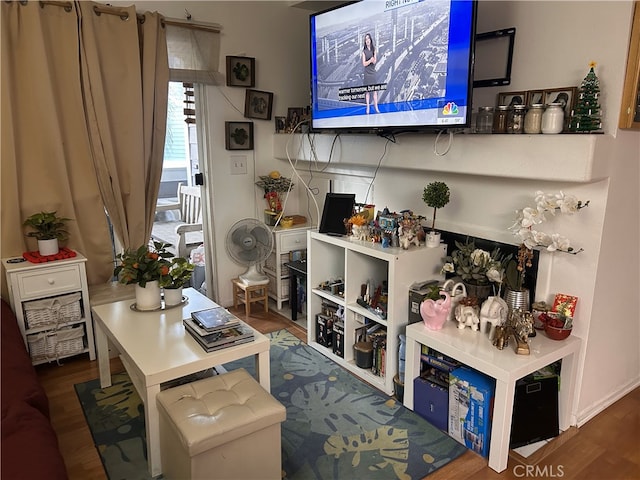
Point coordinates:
pixel 369 60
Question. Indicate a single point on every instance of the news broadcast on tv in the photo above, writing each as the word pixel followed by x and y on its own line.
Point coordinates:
pixel 392 63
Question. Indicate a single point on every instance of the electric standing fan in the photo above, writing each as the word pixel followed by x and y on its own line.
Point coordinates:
pixel 249 242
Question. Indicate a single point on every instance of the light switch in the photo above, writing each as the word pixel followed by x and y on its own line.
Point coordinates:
pixel 238 164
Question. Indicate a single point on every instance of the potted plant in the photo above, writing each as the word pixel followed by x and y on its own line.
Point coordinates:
pixel 516 295
pixel 273 185
pixel 478 268
pixel 146 268
pixel 179 275
pixel 435 307
pixel 435 195
pixel 49 230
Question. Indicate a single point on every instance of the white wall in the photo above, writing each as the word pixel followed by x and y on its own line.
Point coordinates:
pixel 552 50
pixel 555 42
pixel 275 35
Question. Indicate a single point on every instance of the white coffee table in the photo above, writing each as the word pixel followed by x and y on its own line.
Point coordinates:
pixel 155 349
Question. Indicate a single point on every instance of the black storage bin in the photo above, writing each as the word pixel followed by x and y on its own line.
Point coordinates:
pixel 535 410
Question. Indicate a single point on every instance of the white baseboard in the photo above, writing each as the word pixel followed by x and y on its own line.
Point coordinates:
pixel 590 412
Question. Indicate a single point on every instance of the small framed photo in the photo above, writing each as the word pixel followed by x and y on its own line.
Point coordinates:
pixel 294 118
pixel 258 104
pixel 535 97
pixel 566 96
pixel 238 135
pixel 512 98
pixel 241 71
pixel 281 124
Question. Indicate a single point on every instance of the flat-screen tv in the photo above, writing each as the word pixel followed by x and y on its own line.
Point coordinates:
pixel 392 65
pixel 338 207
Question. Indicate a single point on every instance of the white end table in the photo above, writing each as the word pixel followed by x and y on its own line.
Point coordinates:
pixel 476 351
pixel 155 348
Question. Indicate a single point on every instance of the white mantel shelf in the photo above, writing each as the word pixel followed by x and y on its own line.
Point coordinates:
pixel 563 158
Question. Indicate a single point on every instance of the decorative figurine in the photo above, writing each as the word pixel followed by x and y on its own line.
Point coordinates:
pixel 407 235
pixel 467 313
pixel 494 312
pixel 457 291
pixel 434 312
pixel 501 337
pixel 521 323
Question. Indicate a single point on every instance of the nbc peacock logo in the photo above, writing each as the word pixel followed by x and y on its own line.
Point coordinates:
pixel 450 108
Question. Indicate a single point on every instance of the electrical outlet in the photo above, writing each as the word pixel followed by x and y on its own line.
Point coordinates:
pixel 238 164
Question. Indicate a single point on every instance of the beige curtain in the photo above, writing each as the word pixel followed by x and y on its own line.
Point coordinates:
pixel 126 125
pixel 83 119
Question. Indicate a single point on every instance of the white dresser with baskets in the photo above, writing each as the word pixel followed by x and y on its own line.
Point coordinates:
pixel 51 303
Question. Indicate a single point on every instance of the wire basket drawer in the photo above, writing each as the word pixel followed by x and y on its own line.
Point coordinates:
pixel 284 287
pixel 56 344
pixel 52 311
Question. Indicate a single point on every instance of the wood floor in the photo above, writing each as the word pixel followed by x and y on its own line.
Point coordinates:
pixel 606 448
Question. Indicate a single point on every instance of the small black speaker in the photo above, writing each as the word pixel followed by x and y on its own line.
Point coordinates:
pixel 535 411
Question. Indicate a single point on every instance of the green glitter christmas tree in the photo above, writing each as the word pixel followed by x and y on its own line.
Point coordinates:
pixel 586 113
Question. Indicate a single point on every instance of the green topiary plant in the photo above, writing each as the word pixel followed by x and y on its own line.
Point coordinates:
pixel 436 195
pixel 47 226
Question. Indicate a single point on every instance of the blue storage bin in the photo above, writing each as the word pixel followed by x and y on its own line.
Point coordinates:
pixel 431 402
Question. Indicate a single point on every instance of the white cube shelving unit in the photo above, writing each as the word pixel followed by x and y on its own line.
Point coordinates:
pixel 357 263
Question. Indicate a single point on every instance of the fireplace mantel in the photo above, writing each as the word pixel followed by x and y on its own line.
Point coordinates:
pixel 563 158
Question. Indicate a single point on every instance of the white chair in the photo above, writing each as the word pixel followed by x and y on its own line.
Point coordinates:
pixel 183 234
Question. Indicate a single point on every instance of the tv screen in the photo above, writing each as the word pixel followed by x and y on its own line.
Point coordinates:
pixel 338 207
pixel 392 65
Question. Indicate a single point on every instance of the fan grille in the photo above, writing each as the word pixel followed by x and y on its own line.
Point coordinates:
pixel 249 241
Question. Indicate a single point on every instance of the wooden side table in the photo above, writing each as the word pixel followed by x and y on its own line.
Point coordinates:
pixel 249 294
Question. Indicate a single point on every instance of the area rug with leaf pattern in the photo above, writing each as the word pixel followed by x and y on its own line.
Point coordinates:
pixel 337 427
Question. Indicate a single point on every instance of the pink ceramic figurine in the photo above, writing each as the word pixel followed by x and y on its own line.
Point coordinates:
pixel 434 313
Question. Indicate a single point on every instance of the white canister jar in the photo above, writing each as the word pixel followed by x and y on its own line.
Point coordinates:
pixel 533 119
pixel 553 118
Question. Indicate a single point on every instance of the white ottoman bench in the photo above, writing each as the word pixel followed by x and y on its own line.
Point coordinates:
pixel 223 427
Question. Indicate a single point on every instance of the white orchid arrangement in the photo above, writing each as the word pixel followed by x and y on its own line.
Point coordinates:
pixel 546 204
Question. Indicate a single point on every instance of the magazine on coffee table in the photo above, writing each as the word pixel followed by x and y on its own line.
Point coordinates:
pixel 222 338
pixel 214 319
pixel 213 348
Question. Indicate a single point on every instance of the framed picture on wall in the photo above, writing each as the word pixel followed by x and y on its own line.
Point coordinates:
pixel 281 124
pixel 241 71
pixel 238 135
pixel 294 117
pixel 258 104
pixel 630 111
pixel 565 96
pixel 535 97
pixel 512 98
